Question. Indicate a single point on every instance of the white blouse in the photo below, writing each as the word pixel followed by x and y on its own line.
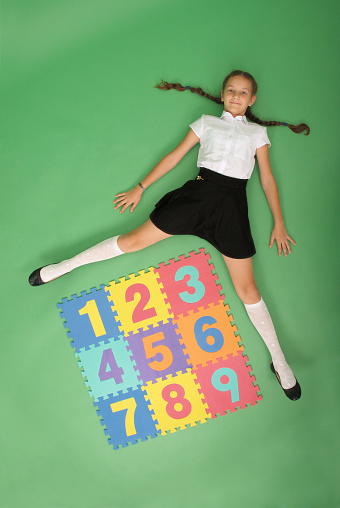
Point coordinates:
pixel 228 145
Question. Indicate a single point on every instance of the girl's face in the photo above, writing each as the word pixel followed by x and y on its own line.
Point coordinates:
pixel 237 95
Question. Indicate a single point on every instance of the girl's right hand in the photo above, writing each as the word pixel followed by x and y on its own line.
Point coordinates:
pixel 131 197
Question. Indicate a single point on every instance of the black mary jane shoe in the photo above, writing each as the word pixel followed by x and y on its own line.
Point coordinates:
pixel 34 279
pixel 293 393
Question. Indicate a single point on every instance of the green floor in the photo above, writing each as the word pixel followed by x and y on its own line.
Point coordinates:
pixel 81 121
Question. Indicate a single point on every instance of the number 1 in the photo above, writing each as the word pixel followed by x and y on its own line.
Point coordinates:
pixel 92 311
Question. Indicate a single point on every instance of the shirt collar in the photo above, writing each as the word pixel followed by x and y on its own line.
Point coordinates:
pixel 226 116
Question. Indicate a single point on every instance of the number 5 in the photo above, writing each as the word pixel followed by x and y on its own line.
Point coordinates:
pixel 151 351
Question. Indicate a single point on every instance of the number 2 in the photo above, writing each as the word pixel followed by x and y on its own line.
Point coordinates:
pixel 140 313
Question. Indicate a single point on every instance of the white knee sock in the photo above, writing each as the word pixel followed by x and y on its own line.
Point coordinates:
pixel 260 317
pixel 104 250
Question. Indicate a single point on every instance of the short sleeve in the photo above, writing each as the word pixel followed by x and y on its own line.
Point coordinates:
pixel 263 138
pixel 197 127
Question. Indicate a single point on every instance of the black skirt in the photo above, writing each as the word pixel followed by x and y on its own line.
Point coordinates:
pixel 213 207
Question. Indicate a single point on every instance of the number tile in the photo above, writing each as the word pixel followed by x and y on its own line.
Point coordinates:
pixel 188 283
pixel 227 384
pixel 140 306
pixel 80 329
pixel 157 351
pixel 176 402
pixel 108 368
pixel 126 418
pixel 202 347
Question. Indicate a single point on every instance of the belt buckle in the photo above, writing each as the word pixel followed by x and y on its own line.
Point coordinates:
pixel 199 177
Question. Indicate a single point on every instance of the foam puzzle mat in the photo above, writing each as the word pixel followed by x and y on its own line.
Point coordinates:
pixel 158 350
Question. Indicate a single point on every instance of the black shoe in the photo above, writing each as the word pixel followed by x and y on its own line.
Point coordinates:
pixel 35 280
pixel 293 393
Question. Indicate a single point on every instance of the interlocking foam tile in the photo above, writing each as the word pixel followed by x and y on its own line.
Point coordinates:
pixel 149 372
pixel 88 326
pixel 108 368
pixel 208 334
pixel 157 351
pixel 188 283
pixel 176 402
pixel 227 384
pixel 138 300
pixel 127 417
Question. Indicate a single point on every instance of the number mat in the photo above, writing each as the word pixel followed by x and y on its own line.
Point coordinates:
pixel 158 350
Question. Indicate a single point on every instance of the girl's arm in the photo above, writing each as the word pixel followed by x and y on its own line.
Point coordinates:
pixel 279 233
pixel 133 196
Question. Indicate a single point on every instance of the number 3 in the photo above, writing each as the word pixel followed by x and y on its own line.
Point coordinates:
pixel 195 283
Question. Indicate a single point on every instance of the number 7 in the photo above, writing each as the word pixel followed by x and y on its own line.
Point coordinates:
pixel 130 405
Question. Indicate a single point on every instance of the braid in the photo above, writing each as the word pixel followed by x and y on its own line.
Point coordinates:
pixel 164 85
pixel 271 123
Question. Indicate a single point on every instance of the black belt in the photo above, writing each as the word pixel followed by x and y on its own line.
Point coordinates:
pixel 218 179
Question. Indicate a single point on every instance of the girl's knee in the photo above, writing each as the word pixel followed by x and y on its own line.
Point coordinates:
pixel 129 242
pixel 248 294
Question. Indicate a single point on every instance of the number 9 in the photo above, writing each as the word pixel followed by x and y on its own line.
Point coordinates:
pixel 231 386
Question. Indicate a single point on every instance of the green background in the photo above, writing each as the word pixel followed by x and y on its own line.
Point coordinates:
pixel 81 121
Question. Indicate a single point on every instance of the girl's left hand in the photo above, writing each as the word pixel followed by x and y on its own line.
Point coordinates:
pixel 280 235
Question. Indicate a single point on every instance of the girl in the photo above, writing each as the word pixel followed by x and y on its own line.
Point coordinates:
pixel 213 206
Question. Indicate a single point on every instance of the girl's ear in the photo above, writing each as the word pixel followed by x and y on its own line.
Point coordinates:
pixel 222 96
pixel 252 100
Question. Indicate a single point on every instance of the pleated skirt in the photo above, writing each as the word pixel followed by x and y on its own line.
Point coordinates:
pixel 213 207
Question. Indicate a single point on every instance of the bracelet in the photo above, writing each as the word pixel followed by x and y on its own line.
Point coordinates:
pixel 140 185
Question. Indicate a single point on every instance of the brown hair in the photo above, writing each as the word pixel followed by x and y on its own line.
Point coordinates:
pixel 164 85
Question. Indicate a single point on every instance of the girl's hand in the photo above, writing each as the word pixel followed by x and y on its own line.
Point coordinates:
pixel 131 197
pixel 280 235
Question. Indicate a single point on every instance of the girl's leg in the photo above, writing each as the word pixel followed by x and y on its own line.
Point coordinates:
pixel 145 235
pixel 242 275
